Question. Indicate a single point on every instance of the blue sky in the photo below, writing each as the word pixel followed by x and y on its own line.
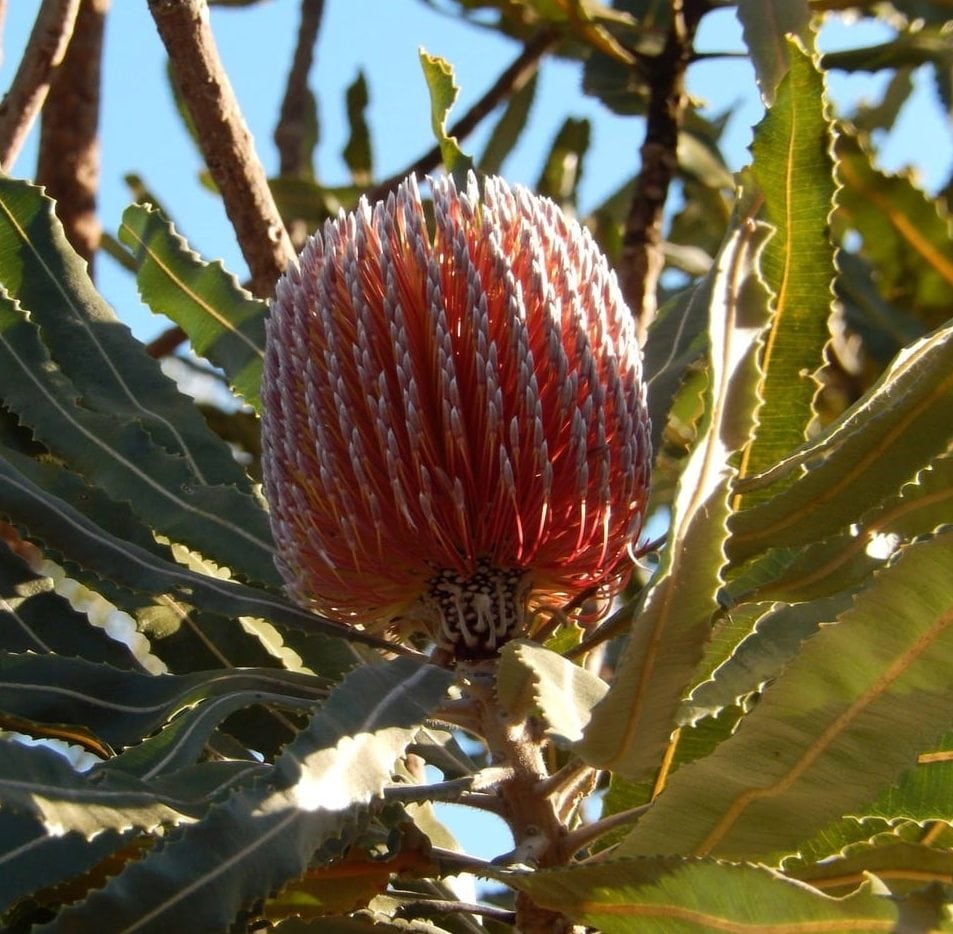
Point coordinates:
pixel 142 132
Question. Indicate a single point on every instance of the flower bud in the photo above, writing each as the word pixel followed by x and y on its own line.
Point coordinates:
pixel 454 428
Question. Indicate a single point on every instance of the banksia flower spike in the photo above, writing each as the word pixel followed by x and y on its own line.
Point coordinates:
pixel 454 422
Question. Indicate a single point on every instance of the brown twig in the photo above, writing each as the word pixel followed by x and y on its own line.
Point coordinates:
pixel 642 259
pixel 225 139
pixel 166 342
pixel 41 58
pixel 68 163
pixel 292 129
pixel 537 830
pixel 522 69
pixel 587 833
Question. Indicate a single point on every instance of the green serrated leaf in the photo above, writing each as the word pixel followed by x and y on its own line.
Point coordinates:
pixel 75 538
pixel 766 24
pixel 922 794
pixel 759 657
pixel 694 896
pixel 96 352
pixel 902 867
pixel 532 678
pixel 906 234
pixel 779 777
pixel 847 560
pixel 225 323
pixel 31 859
pixel 859 460
pixel 438 73
pixel 33 618
pixel 122 706
pixel 246 847
pixel 633 723
pixel 35 780
pixel 120 456
pixel 794 171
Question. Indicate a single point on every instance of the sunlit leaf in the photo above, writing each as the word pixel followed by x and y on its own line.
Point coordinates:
pixel 766 24
pixel 794 172
pixel 34 618
pixel 38 781
pixel 860 459
pixel 780 776
pixel 223 321
pixel 631 726
pixel 438 73
pixel 96 352
pixel 686 896
pixel 531 678
pixel 262 836
pixel 906 234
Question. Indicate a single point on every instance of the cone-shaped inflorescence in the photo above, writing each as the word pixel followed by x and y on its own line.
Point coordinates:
pixel 454 428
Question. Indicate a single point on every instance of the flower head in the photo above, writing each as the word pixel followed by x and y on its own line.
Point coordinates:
pixel 454 422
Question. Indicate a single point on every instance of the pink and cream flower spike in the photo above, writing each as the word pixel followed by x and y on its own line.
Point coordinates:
pixel 454 429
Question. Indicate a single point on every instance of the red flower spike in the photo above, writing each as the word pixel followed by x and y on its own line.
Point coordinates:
pixel 454 423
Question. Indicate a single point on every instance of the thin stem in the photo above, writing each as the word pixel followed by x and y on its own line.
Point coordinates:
pixel 225 139
pixel 68 163
pixel 434 907
pixel 582 836
pixel 292 129
pixel 567 775
pixel 642 258
pixel 522 69
pixel 538 832
pixel 41 58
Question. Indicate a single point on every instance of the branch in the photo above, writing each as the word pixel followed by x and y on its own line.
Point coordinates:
pixel 522 69
pixel 226 142
pixel 68 163
pixel 587 833
pixel 291 131
pixel 642 259
pixel 42 56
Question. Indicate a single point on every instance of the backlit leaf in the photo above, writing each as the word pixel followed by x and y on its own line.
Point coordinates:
pixel 438 73
pixel 794 171
pixel 780 776
pixel 224 323
pixel 96 352
pixel 530 678
pixel 632 724
pixel 866 455
pixel 766 25
pixel 696 896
